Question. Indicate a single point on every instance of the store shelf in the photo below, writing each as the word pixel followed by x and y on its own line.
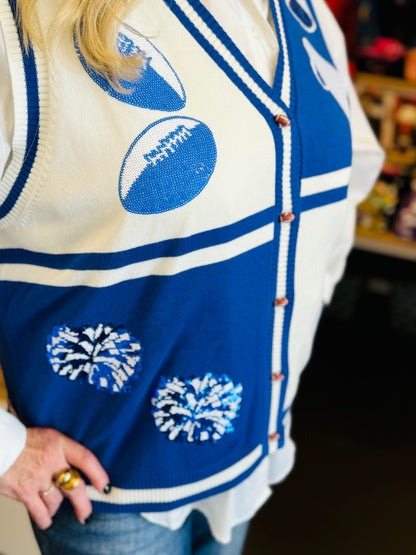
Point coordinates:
pixel 383 83
pixel 390 105
pixel 386 244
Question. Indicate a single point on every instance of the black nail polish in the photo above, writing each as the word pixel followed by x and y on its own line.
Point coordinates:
pixel 88 519
pixel 107 489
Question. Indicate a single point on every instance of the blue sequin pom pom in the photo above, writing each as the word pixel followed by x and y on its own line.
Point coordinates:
pixel 197 410
pixel 106 357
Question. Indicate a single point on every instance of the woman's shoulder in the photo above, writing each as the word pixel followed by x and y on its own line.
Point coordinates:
pixel 331 31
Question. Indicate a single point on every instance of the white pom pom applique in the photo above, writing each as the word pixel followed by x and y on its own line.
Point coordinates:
pixel 104 356
pixel 197 409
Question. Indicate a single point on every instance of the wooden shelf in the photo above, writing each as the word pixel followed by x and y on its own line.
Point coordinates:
pixel 383 83
pixel 3 392
pixel 387 244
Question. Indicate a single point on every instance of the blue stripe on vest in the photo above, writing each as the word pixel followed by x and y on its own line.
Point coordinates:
pixel 322 199
pixel 32 138
pixel 168 248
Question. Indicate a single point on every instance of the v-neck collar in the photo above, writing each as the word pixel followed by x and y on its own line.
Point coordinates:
pixel 279 93
pixel 250 24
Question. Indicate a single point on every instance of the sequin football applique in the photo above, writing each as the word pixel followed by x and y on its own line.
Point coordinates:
pixel 157 87
pixel 167 166
pixel 198 410
pixel 106 357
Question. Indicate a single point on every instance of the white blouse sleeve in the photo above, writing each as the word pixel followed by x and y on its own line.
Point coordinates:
pixel 6 108
pixel 367 155
pixel 12 440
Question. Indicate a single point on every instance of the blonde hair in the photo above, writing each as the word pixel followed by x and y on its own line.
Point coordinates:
pixel 95 24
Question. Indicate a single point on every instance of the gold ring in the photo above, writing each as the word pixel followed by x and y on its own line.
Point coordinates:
pixel 47 491
pixel 68 479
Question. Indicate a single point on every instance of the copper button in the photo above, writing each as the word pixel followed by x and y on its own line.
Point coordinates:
pixel 282 120
pixel 287 217
pixel 281 302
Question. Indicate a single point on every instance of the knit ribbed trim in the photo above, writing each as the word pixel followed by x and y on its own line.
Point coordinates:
pixel 169 497
pixel 30 94
pixel 281 316
pixel 282 78
pixel 291 178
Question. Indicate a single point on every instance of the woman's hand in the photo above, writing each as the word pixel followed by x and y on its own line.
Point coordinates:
pixel 46 453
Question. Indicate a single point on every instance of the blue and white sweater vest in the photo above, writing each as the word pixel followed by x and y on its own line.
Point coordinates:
pixel 164 252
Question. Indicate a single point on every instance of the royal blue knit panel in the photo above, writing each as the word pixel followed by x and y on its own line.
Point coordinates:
pixel 322 102
pixel 204 328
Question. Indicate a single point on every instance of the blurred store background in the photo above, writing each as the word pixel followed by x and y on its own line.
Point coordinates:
pixel 353 487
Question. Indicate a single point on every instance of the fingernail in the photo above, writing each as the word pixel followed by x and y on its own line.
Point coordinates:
pixel 107 489
pixel 88 519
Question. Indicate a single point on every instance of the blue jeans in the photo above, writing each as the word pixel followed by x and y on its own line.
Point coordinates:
pixel 131 534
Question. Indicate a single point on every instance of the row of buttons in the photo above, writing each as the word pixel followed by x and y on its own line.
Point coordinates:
pixel 286 217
